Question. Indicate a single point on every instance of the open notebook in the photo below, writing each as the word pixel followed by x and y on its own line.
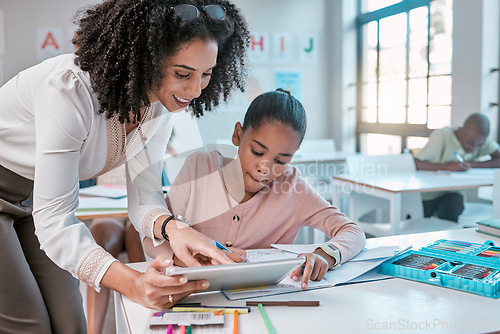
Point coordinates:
pixel 363 263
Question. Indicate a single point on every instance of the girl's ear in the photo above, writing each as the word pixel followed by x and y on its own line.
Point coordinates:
pixel 237 133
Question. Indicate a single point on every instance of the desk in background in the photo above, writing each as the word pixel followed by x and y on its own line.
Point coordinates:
pixel 86 215
pixel 387 306
pixel 101 207
pixel 392 186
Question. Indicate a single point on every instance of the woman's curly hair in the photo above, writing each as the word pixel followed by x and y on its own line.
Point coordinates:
pixel 123 45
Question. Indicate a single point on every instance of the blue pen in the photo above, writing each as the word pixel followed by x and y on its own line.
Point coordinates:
pixel 221 246
pixel 459 157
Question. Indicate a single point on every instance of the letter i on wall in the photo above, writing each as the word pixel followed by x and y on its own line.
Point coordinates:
pixel 49 42
pixel 282 48
pixel 259 48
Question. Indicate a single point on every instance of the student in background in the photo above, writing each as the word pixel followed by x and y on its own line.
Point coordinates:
pixel 76 116
pixel 257 199
pixel 456 149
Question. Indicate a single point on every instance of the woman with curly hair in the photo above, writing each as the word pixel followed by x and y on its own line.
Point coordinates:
pixel 76 116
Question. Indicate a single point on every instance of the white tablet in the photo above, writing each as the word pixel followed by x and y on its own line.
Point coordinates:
pixel 240 275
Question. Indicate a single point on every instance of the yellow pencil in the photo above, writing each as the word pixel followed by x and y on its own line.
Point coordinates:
pixel 227 310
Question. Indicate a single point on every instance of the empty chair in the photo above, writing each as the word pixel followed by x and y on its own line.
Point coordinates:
pixel 318 175
pixel 313 146
pixel 225 147
pixel 312 161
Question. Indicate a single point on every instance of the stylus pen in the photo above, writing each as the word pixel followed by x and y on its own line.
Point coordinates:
pixel 221 246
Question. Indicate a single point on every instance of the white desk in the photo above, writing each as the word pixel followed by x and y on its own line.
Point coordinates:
pixel 392 186
pixel 360 308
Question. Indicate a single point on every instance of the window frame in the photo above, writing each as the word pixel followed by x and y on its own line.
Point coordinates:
pixel 404 130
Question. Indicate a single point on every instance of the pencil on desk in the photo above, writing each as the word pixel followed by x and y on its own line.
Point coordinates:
pixel 235 325
pixel 267 322
pixel 226 310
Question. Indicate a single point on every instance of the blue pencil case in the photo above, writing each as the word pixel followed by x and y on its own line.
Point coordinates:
pixel 454 264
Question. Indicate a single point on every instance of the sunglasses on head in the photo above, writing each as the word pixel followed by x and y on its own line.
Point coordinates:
pixel 188 12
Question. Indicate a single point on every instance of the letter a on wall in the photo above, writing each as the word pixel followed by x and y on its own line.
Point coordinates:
pixel 49 42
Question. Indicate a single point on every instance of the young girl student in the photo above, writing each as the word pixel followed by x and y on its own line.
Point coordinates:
pixel 257 199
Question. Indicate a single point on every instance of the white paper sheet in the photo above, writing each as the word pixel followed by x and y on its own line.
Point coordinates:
pixel 347 272
pixel 258 255
pixel 366 254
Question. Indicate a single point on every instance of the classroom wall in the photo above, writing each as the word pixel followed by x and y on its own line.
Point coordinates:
pixel 22 18
pixel 294 17
pixel 475 50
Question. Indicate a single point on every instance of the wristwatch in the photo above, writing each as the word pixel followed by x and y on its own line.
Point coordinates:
pixel 332 251
pixel 175 217
pixel 182 219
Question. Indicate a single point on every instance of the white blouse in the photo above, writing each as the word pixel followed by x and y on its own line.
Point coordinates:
pixel 50 132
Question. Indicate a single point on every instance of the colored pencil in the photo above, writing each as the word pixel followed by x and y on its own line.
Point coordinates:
pixel 267 322
pixel 227 310
pixel 235 326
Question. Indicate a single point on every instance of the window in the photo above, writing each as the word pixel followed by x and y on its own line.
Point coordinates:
pixel 404 72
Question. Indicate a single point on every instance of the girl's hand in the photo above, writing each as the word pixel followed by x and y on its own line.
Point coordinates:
pixel 155 290
pixel 190 245
pixel 237 255
pixel 314 268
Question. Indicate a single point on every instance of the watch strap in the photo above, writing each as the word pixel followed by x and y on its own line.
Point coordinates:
pixel 163 233
pixel 333 252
